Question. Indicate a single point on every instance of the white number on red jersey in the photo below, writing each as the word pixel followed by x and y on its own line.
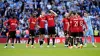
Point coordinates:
pixel 75 23
pixel 78 23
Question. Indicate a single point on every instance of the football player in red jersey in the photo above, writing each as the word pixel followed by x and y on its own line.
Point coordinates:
pixel 71 16
pixel 81 23
pixel 12 25
pixel 65 23
pixel 51 26
pixel 41 23
pixel 76 28
pixel 32 24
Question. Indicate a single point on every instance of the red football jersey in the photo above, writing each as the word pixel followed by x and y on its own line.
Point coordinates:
pixel 74 24
pixel 12 24
pixel 81 24
pixel 51 21
pixel 65 24
pixel 32 23
pixel 41 21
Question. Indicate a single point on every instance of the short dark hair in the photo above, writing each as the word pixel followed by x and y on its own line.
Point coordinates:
pixel 85 12
pixel 72 12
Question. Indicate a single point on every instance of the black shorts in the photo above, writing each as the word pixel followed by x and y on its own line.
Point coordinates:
pixel 80 34
pixel 42 31
pixel 12 34
pixel 74 34
pixel 66 32
pixel 51 30
pixel 32 32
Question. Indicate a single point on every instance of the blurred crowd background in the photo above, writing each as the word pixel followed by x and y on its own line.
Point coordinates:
pixel 23 9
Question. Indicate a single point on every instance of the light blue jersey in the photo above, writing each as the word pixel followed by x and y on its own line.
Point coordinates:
pixel 88 22
pixel 89 25
pixel 90 29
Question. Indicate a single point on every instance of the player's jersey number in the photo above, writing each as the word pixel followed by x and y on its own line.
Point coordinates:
pixel 78 23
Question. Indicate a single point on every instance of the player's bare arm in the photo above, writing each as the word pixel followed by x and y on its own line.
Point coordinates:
pixel 53 12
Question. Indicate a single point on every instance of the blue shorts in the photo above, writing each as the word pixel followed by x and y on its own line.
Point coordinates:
pixel 26 36
pixel 89 32
pixel 18 36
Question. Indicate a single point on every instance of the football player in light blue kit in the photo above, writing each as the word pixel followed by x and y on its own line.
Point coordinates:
pixel 89 31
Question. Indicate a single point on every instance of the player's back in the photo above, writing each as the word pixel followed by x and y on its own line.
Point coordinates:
pixel 65 23
pixel 74 24
pixel 18 32
pixel 27 32
pixel 82 23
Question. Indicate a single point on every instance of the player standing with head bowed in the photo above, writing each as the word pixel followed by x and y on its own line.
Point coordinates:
pixel 80 23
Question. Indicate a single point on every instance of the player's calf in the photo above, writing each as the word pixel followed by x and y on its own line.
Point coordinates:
pixel 70 42
pixel 27 45
pixel 48 42
pixel 41 42
pixel 66 42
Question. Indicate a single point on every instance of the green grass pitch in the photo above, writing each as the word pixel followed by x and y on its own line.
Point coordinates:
pixel 60 50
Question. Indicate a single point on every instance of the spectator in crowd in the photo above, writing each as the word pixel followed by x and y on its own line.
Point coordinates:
pixel 96 32
pixel 96 24
pixel 3 33
pixel 26 33
pixel 61 33
pixel 18 35
pixel 1 26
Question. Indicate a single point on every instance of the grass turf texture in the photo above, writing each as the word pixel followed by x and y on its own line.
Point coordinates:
pixel 60 50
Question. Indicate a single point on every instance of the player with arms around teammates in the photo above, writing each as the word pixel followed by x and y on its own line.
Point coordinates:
pixel 12 24
pixel 73 28
pixel 76 29
pixel 80 23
